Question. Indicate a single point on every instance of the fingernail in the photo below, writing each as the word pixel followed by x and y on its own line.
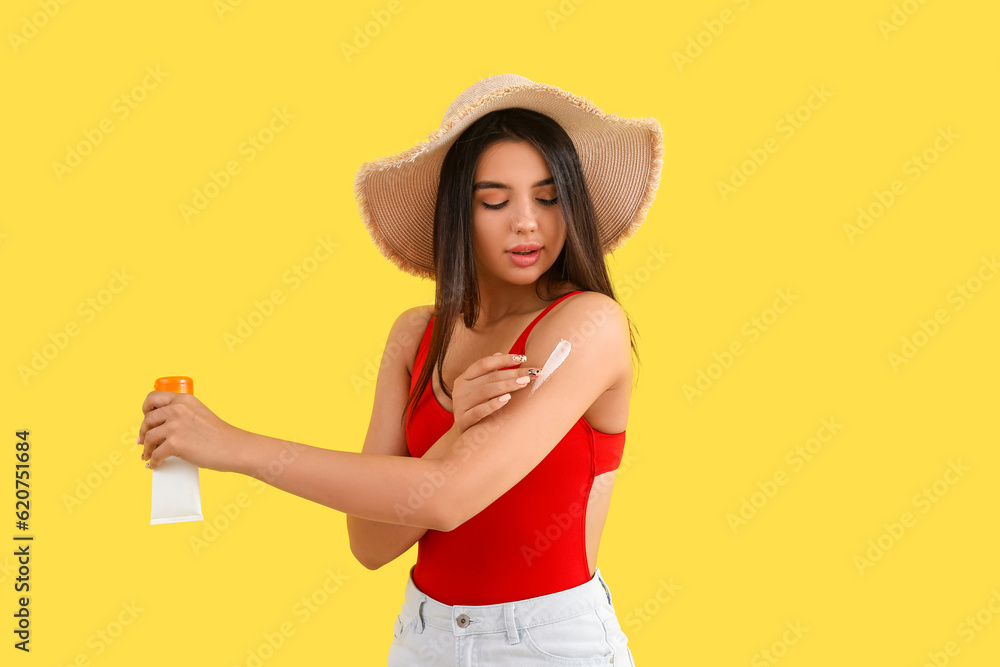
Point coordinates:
pixel 147 464
pixel 520 358
pixel 505 398
pixel 523 380
pixel 137 441
pixel 534 371
pixel 498 354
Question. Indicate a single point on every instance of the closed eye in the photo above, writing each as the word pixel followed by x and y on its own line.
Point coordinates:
pixel 544 202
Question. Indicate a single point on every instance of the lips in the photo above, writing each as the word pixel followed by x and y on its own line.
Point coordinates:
pixel 525 254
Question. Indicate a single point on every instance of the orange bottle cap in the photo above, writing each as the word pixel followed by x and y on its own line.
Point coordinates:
pixel 176 383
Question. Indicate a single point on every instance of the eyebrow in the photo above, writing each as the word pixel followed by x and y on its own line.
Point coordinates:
pixel 488 185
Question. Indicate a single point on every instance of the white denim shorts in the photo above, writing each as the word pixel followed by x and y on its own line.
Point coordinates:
pixel 576 627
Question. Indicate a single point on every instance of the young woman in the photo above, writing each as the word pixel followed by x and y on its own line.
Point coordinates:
pixel 483 449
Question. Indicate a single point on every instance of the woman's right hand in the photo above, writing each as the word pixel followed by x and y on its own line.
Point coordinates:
pixel 483 389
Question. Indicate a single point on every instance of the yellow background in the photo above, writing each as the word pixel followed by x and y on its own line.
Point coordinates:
pixel 305 373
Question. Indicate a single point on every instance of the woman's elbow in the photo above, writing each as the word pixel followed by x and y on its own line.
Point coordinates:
pixel 365 550
pixel 447 518
pixel 371 555
pixel 369 560
pixel 437 512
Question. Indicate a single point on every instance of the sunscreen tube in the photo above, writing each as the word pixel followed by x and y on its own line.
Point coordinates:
pixel 176 488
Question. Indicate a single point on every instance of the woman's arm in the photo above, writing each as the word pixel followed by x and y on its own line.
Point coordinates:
pixel 375 543
pixel 440 493
pixel 486 460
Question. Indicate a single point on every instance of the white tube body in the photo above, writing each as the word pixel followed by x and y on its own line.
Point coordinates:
pixel 176 492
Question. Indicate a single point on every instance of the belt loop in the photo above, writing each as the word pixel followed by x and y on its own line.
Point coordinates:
pixel 508 618
pixel 607 591
pixel 420 614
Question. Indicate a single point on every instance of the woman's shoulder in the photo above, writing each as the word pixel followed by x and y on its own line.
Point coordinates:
pixel 596 327
pixel 407 332
pixel 587 314
pixel 589 305
pixel 416 317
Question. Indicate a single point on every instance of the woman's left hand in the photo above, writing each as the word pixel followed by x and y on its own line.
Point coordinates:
pixel 180 425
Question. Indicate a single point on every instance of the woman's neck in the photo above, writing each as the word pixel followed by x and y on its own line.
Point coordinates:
pixel 500 304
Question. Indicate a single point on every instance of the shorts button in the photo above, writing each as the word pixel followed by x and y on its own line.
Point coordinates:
pixel 462 620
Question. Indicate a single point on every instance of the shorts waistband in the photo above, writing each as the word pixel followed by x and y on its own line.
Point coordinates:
pixel 505 617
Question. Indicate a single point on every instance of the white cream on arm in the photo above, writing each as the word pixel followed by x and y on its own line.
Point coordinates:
pixel 555 359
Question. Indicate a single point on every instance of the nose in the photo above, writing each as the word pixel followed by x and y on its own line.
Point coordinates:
pixel 524 219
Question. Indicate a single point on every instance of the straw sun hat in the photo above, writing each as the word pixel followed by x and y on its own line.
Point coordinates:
pixel 621 159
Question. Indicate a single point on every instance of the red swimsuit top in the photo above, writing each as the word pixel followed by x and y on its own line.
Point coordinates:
pixel 531 540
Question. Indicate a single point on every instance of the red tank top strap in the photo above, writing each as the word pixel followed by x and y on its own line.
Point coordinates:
pixel 523 338
pixel 425 346
pixel 518 348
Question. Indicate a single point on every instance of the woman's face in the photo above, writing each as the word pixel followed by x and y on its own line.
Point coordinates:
pixel 514 205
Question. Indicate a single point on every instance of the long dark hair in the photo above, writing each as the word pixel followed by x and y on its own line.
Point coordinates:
pixel 580 262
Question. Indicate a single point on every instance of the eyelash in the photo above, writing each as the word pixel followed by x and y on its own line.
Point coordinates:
pixel 494 207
